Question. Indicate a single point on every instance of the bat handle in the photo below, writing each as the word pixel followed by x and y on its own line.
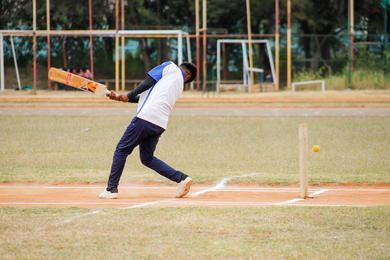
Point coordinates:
pixel 108 92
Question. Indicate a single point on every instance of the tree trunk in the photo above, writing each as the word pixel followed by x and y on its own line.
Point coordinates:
pixel 159 49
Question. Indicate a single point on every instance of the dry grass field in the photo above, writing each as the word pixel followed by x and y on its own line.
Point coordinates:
pixel 197 233
pixel 54 142
pixel 61 149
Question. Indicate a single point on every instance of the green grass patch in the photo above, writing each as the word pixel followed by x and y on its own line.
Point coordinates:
pixel 368 78
pixel 55 149
pixel 197 233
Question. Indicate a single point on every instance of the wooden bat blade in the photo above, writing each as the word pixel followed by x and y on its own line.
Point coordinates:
pixel 76 81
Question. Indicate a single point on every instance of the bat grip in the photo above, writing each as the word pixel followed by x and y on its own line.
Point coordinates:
pixel 108 92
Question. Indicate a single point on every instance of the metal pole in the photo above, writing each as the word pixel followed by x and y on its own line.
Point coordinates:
pixel 350 46
pixel 248 18
pixel 261 81
pixel 385 43
pixel 180 48
pixel 274 79
pixel 352 36
pixel 246 70
pixel 189 55
pixel 288 44
pixel 16 62
pixel 218 65
pixel 116 46
pixel 64 53
pixel 204 16
pixel 197 43
pixel 244 65
pixel 224 61
pixel 188 47
pixel 35 46
pixel 277 44
pixel 90 39
pixel 123 44
pixel 2 63
pixel 48 40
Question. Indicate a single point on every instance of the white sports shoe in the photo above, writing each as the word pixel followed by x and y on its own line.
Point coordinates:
pixel 184 187
pixel 108 195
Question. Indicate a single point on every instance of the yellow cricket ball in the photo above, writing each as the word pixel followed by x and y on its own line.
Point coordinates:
pixel 316 148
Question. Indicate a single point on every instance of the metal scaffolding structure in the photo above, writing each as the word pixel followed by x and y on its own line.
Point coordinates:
pixel 246 66
pixel 99 33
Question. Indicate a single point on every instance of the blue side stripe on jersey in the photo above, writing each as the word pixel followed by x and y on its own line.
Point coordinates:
pixel 145 100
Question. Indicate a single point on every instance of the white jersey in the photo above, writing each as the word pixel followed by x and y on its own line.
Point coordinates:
pixel 156 103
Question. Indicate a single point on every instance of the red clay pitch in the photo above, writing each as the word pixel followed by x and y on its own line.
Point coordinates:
pixel 159 195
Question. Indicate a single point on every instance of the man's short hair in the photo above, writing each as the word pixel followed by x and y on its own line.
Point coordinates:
pixel 192 69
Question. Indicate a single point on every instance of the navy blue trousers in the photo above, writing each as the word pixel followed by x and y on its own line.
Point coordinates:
pixel 146 135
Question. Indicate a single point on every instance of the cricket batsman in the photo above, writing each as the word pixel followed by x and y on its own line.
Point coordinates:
pixel 156 96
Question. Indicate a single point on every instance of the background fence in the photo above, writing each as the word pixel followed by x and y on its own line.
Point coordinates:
pixel 313 57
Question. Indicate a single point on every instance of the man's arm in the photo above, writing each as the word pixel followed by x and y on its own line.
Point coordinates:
pixel 132 96
pixel 133 99
pixel 144 85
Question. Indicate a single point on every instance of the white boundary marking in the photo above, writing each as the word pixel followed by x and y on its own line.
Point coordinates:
pixel 221 184
pixel 69 203
pixel 68 220
pixel 315 192
pixel 225 203
pixel 288 201
pixel 226 188
pixel 210 203
pixel 265 203
pixel 300 199
pixel 140 205
pixel 219 187
pixel 319 192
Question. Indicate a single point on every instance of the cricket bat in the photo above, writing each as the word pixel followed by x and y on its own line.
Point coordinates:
pixel 78 82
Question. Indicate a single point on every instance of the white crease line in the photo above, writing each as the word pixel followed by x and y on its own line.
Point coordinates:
pixel 358 189
pixel 130 207
pixel 318 192
pixel 288 201
pixel 221 184
pixel 233 188
pixel 140 205
pixel 48 187
pixel 227 188
pixel 226 203
pixel 300 199
pixel 254 190
pixel 254 203
pixel 279 189
pixel 83 215
pixel 335 205
pixel 64 203
pixel 82 187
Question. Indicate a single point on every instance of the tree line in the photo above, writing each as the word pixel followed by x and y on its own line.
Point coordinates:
pixel 317 26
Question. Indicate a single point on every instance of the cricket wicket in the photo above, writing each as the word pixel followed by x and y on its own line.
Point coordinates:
pixel 303 159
